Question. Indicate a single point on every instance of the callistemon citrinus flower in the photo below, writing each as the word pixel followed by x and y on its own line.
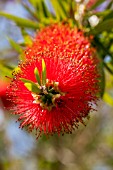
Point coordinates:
pixel 52 94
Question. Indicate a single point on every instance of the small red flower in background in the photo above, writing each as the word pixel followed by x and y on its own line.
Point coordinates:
pixel 3 87
pixel 91 3
pixel 55 95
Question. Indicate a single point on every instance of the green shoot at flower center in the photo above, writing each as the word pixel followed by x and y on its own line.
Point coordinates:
pixel 44 91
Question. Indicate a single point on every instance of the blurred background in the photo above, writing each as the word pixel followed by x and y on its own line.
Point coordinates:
pixel 88 148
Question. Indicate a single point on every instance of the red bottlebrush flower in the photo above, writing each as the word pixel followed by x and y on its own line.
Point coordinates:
pixel 55 95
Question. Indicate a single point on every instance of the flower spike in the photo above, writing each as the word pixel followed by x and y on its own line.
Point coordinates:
pixel 55 90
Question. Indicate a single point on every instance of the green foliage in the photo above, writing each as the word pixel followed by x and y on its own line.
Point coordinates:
pixel 21 22
pixel 106 25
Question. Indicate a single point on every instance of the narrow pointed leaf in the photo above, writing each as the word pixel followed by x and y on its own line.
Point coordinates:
pixel 40 10
pixel 30 85
pixel 26 80
pixel 45 10
pixel 33 3
pixel 58 10
pixel 109 15
pixel 21 21
pixel 4 70
pixel 104 13
pixel 16 46
pixel 109 69
pixel 36 72
pixel 32 12
pixel 99 2
pixel 27 39
pixel 64 8
pixel 106 25
pixel 43 72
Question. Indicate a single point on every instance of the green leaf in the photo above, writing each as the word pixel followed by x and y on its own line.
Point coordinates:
pixel 106 25
pixel 109 6
pixel 109 15
pixel 60 13
pixel 102 13
pixel 32 12
pixel 26 80
pixel 16 46
pixel 108 99
pixel 64 7
pixel 98 2
pixel 30 85
pixel 33 3
pixel 27 39
pixel 108 68
pixel 36 72
pixel 21 21
pixel 43 72
pixel 45 10
pixel 5 70
pixel 41 10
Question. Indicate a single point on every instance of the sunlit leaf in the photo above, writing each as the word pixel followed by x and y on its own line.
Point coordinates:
pixel 27 39
pixel 34 3
pixel 21 21
pixel 30 85
pixel 45 10
pixel 15 45
pixel 108 99
pixel 37 75
pixel 26 80
pixel 109 69
pixel 5 70
pixel 18 48
pixel 43 72
pixel 64 8
pixel 60 13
